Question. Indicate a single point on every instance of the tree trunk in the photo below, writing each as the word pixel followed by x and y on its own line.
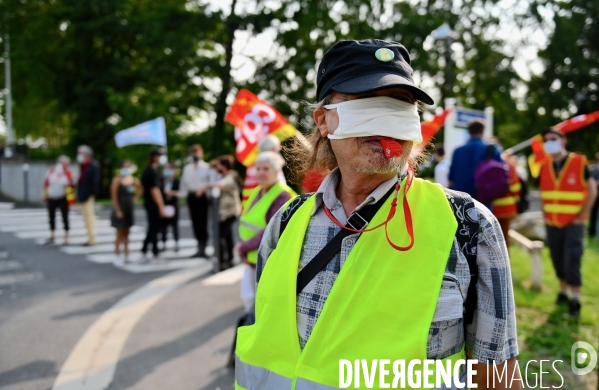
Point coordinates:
pixel 221 105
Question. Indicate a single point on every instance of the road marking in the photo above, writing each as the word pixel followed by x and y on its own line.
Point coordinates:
pixel 167 265
pixel 103 258
pixel 44 233
pixel 92 363
pixel 230 276
pixel 133 246
pixel 6 205
pixel 109 237
pixel 77 224
pixel 32 224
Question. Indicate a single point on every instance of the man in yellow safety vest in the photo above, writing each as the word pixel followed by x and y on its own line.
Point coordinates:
pixel 369 268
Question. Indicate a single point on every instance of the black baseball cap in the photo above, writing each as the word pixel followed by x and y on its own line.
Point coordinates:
pixel 353 67
pixel 156 152
pixel 552 130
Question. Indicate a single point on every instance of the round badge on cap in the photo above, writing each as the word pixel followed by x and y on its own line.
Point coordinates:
pixel 384 55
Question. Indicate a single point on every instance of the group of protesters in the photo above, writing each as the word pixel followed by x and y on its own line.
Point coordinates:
pixel 162 189
pixel 62 191
pixel 568 187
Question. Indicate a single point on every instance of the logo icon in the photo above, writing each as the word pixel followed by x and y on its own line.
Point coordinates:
pixel 384 55
pixel 583 353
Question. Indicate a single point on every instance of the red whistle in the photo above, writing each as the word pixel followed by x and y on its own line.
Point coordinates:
pixel 391 147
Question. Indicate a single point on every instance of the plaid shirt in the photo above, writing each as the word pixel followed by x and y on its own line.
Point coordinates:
pixel 492 334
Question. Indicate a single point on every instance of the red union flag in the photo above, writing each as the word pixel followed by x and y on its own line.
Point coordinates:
pixel 430 128
pixel 578 122
pixel 253 119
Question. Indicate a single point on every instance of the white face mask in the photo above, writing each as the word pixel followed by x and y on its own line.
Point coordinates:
pixel 162 160
pixel 80 158
pixel 377 116
pixel 553 146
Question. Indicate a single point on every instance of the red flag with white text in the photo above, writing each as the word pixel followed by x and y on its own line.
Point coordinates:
pixel 254 119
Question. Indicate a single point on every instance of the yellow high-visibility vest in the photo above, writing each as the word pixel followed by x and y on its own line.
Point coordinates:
pixel 253 219
pixel 380 307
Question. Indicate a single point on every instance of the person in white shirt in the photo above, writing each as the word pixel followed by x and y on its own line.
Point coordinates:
pixel 59 194
pixel 196 175
pixel 442 168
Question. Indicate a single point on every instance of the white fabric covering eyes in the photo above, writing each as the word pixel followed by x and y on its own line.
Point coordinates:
pixel 377 116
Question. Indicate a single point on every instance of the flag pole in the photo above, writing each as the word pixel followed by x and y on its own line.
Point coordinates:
pixel 519 147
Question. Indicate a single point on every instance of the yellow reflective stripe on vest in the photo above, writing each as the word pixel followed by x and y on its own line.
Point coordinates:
pixel 516 187
pixel 505 201
pixel 251 226
pixel 562 208
pixel 562 195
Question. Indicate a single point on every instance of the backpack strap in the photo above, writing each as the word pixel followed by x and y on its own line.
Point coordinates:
pixel 467 236
pixel 293 205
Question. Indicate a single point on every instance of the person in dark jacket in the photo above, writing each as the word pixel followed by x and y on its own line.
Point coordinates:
pixel 170 193
pixel 467 157
pixel 153 201
pixel 87 187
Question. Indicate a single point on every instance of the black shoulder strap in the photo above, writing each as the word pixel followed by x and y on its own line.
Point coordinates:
pixel 467 236
pixel 356 221
pixel 293 206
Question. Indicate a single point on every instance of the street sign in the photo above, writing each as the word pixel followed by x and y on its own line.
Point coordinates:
pixel 457 121
pixel 464 116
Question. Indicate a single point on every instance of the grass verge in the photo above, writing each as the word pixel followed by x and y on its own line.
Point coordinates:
pixel 546 331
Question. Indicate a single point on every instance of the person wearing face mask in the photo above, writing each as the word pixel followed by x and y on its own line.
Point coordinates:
pixel 567 195
pixel 229 207
pixel 153 201
pixel 59 194
pixel 194 176
pixel 87 188
pixel 263 202
pixel 375 263
pixel 125 190
pixel 171 193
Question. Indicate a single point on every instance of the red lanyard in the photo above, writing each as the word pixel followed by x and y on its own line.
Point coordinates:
pixel 407 215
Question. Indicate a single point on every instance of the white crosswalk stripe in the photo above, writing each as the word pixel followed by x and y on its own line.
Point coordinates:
pixel 32 224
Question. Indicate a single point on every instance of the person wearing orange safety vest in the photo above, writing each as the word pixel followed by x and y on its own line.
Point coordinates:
pixel 567 195
pixel 59 193
pixel 505 208
pixel 370 266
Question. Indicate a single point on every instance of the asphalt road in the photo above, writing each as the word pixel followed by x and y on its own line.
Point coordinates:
pixel 49 301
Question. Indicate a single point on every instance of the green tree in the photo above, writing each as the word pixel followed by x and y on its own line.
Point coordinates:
pixel 106 65
pixel 570 80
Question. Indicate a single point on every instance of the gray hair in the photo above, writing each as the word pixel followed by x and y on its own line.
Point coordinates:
pixel 86 150
pixel 270 143
pixel 63 159
pixel 273 159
